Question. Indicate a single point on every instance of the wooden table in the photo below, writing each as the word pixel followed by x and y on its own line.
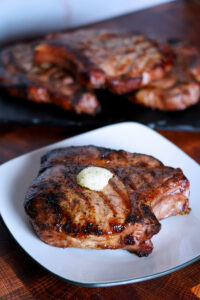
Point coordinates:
pixel 20 277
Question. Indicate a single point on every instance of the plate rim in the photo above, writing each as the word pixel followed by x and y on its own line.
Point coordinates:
pixel 105 283
pixel 98 129
pixel 109 283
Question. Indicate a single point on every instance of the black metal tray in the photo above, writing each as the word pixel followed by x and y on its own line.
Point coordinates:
pixel 114 109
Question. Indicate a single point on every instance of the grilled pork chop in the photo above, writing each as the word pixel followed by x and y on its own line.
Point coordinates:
pixel 121 61
pixel 46 83
pixel 177 90
pixel 124 214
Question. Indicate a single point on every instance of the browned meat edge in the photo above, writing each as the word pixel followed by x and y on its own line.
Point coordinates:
pixel 20 77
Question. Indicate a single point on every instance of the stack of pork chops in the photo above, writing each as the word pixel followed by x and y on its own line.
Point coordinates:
pixel 65 69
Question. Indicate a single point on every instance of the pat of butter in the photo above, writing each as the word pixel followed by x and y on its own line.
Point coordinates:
pixel 94 178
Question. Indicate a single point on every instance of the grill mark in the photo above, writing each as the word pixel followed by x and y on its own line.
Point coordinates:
pixel 99 209
pixel 131 185
pixel 108 203
pixel 122 195
pixel 79 193
pixel 128 182
pixel 145 183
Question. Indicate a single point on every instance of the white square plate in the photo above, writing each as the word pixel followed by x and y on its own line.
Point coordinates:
pixel 175 246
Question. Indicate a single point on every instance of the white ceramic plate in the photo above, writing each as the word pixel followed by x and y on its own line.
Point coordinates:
pixel 175 246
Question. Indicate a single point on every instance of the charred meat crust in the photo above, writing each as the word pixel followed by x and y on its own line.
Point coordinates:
pixel 121 61
pixel 122 215
pixel 21 78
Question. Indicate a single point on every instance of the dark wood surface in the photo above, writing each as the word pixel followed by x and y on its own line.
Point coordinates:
pixel 22 278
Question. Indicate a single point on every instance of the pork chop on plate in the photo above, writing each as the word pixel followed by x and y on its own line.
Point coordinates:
pixel 125 214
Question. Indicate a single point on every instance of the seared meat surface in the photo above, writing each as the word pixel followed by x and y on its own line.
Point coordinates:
pixel 46 83
pixel 121 61
pixel 123 215
pixel 180 88
pixel 56 69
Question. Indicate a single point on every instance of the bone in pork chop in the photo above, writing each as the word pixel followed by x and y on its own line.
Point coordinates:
pixel 121 61
pixel 124 214
pixel 46 83
pixel 177 90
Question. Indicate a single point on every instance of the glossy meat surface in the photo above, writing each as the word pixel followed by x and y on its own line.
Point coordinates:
pixel 44 83
pixel 123 215
pixel 120 61
pixel 177 90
